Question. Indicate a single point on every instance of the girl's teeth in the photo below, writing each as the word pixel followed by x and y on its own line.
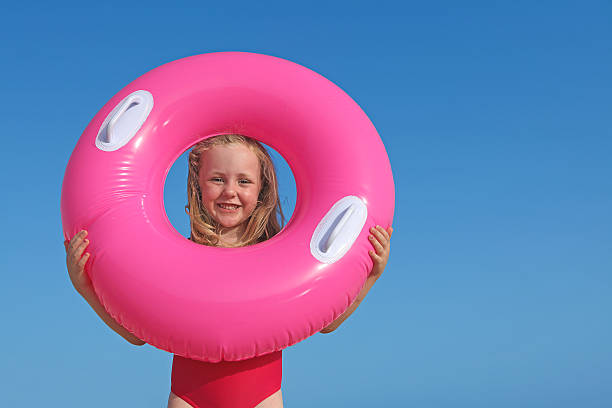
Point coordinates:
pixel 228 207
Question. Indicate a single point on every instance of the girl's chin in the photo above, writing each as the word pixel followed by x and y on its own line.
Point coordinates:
pixel 228 221
pixel 229 224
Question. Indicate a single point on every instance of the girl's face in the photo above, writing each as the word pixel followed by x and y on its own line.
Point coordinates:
pixel 229 174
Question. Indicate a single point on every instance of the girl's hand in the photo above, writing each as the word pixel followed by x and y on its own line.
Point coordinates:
pixel 380 240
pixel 75 261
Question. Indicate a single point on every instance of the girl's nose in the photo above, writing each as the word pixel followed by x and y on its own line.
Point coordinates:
pixel 229 190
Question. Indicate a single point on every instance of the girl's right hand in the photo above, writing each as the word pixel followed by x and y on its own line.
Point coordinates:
pixel 75 261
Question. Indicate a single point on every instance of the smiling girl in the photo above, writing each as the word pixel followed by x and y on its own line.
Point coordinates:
pixel 233 201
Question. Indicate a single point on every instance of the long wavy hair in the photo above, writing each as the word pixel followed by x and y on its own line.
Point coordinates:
pixel 262 224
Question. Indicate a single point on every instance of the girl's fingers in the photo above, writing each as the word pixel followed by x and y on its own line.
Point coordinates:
pixel 74 243
pixel 383 231
pixel 381 237
pixel 375 257
pixel 83 260
pixel 376 244
pixel 76 240
pixel 78 251
pixel 83 246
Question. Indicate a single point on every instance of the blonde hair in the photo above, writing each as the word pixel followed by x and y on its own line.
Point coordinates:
pixel 262 224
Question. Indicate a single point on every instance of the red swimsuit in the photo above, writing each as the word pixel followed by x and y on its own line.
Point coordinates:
pixel 227 384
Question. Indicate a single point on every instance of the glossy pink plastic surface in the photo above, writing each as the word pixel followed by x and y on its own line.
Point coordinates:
pixel 210 303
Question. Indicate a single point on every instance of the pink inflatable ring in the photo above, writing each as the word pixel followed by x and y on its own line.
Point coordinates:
pixel 211 303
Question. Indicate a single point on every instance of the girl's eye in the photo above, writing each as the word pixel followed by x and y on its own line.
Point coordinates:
pixel 220 179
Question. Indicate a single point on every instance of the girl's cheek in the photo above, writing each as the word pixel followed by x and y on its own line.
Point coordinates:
pixel 210 191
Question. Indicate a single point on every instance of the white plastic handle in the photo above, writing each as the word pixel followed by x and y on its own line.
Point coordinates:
pixel 336 231
pixel 115 118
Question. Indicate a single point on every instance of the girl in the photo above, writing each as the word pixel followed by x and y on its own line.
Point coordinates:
pixel 232 201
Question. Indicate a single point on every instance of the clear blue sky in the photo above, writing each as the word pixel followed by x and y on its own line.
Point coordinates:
pixel 496 118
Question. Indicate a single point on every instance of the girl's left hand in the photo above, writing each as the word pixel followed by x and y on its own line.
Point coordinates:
pixel 381 241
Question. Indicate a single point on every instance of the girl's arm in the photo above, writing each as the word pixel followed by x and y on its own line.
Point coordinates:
pixel 366 288
pixel 380 240
pixel 95 304
pixel 75 261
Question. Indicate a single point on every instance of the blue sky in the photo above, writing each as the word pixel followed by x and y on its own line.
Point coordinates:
pixel 496 119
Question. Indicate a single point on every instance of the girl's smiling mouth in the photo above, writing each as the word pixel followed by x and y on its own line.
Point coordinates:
pixel 228 207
